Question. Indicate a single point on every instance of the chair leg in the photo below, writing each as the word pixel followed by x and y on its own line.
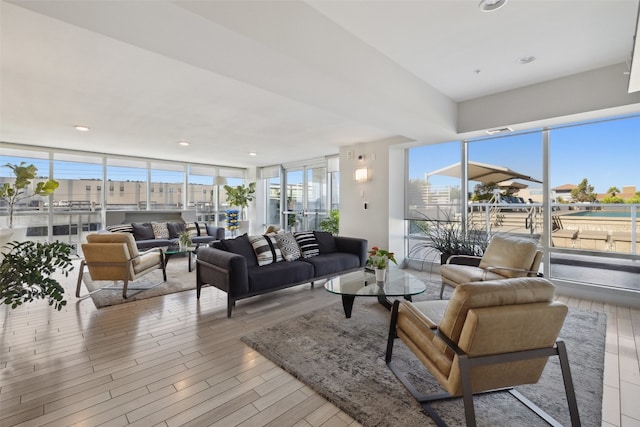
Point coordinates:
pixel 441 290
pixel 467 394
pixel 82 263
pixel 568 384
pixel 124 287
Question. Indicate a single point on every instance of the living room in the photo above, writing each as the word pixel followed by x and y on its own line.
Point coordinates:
pixel 221 78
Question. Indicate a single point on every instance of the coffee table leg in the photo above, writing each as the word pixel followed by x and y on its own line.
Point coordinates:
pixel 385 302
pixel 347 304
pixel 189 255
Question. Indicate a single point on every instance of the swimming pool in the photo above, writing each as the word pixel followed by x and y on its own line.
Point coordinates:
pixel 607 214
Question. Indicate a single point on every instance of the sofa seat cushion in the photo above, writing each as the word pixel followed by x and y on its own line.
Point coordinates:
pixel 280 274
pixel 466 273
pixel 202 239
pixel 154 243
pixel 336 262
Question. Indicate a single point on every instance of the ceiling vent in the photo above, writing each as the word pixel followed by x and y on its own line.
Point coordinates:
pixel 499 130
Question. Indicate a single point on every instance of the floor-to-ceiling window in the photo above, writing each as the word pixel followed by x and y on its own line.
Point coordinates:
pixel 92 184
pixel 593 181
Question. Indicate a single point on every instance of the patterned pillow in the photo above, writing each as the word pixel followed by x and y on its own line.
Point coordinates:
pixel 266 249
pixel 191 228
pixel 160 230
pixel 308 244
pixel 288 246
pixel 202 228
pixel 120 228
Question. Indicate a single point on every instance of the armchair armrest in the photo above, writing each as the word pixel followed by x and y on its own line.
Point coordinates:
pixel 464 260
pixel 519 270
pixel 224 270
pixel 353 245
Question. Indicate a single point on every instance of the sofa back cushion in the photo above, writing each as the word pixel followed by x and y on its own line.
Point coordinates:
pixel 142 231
pixel 326 242
pixel 308 243
pixel 241 246
pixel 175 228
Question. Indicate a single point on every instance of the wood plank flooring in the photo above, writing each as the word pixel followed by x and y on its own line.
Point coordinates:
pixel 174 361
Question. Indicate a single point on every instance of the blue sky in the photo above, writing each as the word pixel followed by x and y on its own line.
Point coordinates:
pixel 606 153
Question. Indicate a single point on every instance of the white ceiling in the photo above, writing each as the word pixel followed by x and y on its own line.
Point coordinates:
pixel 290 80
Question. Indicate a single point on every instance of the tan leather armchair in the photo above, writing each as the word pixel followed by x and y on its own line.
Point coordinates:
pixel 506 256
pixel 492 335
pixel 115 256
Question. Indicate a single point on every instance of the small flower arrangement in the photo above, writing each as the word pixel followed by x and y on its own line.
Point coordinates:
pixel 379 258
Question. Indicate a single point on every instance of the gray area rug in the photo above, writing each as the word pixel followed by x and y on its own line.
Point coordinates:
pixel 343 360
pixel 150 285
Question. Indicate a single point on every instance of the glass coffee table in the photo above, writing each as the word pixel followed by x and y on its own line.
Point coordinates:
pixel 169 251
pixel 363 284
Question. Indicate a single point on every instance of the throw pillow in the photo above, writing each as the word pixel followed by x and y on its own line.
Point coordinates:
pixel 308 244
pixel 241 246
pixel 288 246
pixel 142 231
pixel 175 228
pixel 266 249
pixel 191 228
pixel 160 230
pixel 120 228
pixel 326 242
pixel 202 228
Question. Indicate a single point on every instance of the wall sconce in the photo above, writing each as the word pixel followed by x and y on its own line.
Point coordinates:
pixel 361 175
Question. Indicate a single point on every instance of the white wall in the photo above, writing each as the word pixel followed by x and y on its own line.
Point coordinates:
pixel 382 222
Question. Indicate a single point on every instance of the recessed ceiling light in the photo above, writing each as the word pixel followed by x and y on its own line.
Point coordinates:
pixel 253 153
pixel 184 143
pixel 81 128
pixel 491 5
pixel 526 59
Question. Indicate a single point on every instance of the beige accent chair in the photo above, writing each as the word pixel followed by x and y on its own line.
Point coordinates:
pixel 115 256
pixel 492 335
pixel 505 257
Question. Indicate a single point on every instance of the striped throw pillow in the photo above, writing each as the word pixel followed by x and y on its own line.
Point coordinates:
pixel 202 229
pixel 191 228
pixel 308 244
pixel 120 228
pixel 266 249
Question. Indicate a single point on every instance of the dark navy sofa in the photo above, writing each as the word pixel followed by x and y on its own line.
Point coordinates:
pixel 231 265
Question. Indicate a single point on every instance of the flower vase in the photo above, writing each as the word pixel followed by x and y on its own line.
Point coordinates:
pixel 183 246
pixel 380 274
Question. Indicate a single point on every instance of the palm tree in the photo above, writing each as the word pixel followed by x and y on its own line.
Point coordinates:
pixel 613 191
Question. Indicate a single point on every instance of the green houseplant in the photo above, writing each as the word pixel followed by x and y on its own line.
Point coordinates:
pixel 16 192
pixel 240 196
pixel 450 237
pixel 26 270
pixel 332 222
pixel 184 239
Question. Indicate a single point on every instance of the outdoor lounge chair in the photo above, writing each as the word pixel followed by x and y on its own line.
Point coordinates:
pixel 492 335
pixel 505 257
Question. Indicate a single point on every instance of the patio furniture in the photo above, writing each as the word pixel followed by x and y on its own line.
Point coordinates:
pixel 493 336
pixel 505 257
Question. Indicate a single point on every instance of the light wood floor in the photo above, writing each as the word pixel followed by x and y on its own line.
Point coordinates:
pixel 172 360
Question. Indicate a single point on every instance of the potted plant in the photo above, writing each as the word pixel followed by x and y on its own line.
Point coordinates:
pixel 332 222
pixel 26 270
pixel 240 196
pixel 450 237
pixel 184 240
pixel 16 192
pixel 379 260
